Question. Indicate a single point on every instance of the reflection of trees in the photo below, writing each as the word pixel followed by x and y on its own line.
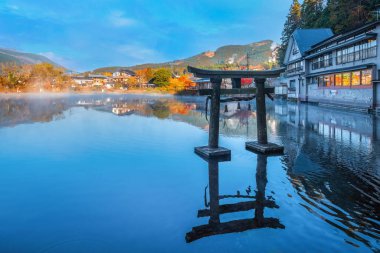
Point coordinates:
pixel 18 111
pixel 214 209
pixel 160 110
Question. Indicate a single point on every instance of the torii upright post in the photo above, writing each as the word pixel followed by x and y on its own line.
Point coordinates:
pixel 261 145
pixel 213 150
pixel 213 140
pixel 261 112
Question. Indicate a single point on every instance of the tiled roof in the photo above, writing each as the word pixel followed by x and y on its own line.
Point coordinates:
pixel 306 38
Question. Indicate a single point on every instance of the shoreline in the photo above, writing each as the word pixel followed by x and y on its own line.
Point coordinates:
pixel 52 93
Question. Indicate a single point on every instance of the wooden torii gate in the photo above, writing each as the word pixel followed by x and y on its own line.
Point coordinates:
pixel 261 145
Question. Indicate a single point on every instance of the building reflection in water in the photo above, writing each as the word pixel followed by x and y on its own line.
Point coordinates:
pixel 333 160
pixel 214 209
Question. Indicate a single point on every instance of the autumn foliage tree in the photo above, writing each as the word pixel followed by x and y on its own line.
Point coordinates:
pixel 32 77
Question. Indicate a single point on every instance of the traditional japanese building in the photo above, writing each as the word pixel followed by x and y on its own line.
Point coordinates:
pixel 335 70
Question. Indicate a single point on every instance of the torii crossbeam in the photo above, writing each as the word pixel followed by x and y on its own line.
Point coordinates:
pixel 261 145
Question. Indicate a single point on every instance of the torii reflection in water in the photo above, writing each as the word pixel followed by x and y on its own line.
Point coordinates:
pixel 258 202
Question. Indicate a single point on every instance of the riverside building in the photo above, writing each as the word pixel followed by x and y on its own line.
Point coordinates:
pixel 335 70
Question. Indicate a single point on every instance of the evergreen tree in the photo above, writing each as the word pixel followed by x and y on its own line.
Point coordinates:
pixel 347 14
pixel 311 13
pixel 293 21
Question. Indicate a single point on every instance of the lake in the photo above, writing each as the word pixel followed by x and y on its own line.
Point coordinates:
pixel 77 177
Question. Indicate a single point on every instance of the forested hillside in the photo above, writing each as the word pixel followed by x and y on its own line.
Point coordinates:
pixel 339 15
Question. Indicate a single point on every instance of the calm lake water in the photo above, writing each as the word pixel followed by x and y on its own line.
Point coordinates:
pixel 75 177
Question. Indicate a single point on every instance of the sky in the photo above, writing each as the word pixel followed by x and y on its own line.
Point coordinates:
pixel 86 34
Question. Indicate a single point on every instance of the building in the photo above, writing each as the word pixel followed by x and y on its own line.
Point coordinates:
pixel 123 73
pixel 335 70
pixel 300 42
pixel 90 80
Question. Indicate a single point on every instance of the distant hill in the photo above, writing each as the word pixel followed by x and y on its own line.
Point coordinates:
pixel 260 53
pixel 8 56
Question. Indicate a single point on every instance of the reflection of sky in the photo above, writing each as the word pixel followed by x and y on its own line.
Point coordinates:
pixel 107 183
pixel 87 34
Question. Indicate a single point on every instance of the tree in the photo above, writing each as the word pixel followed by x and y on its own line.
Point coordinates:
pixel 311 13
pixel 348 14
pixel 293 21
pixel 161 77
pixel 132 81
pixel 14 76
pixel 48 75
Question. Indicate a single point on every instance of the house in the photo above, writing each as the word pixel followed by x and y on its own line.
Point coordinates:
pixel 123 73
pixel 335 70
pixel 98 80
pixel 82 80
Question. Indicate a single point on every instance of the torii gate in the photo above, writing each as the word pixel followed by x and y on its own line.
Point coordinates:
pixel 261 145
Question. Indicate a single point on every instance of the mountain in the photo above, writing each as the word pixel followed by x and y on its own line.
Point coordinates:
pixel 9 55
pixel 259 54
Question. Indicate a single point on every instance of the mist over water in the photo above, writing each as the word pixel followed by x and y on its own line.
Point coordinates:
pixel 77 177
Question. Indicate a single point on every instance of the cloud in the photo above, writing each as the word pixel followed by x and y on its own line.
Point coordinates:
pixel 139 52
pixel 118 19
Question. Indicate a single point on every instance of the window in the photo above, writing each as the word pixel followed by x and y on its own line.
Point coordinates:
pixel 338 80
pixel 360 51
pixel 339 57
pixel 350 54
pixel 292 85
pixel 367 77
pixel 322 61
pixel 295 51
pixel 314 80
pixel 326 81
pixel 346 79
pixel 320 81
pixel 355 78
pixel 294 67
pixel 357 52
pixel 332 80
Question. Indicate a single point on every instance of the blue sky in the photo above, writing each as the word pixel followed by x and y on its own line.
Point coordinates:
pixel 86 34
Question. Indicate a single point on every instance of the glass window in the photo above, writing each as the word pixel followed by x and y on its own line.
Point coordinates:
pixel 350 54
pixel 321 81
pixel 357 52
pixel 339 57
pixel 372 43
pixel 367 77
pixel 356 78
pixel 332 80
pixel 326 81
pixel 344 56
pixel 330 59
pixel 338 79
pixel 346 79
